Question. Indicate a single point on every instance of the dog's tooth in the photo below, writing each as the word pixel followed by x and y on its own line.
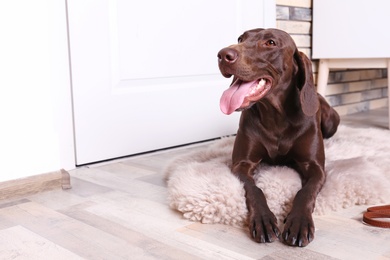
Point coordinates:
pixel 261 83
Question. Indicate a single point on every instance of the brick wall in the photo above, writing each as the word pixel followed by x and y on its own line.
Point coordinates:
pixel 349 91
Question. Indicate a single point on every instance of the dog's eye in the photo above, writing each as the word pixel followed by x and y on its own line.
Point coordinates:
pixel 239 39
pixel 270 43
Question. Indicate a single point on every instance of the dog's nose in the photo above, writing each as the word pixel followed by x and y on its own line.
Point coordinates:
pixel 227 55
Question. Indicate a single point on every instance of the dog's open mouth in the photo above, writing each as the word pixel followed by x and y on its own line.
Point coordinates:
pixel 242 94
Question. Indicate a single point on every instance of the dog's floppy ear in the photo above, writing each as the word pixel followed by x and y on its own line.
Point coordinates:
pixel 308 94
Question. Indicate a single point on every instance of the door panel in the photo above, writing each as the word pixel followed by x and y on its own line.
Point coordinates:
pixel 145 73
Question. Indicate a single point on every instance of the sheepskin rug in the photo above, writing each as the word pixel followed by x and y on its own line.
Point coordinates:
pixel 202 188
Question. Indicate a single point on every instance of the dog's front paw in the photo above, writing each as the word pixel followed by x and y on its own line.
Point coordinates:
pixel 298 229
pixel 263 227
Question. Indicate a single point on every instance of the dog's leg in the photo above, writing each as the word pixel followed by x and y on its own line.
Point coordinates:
pixel 299 225
pixel 262 222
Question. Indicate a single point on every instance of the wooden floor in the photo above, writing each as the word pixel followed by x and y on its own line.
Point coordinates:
pixel 118 210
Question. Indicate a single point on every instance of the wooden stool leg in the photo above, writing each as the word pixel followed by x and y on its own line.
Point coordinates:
pixel 322 79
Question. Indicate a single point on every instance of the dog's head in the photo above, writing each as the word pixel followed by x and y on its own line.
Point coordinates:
pixel 265 61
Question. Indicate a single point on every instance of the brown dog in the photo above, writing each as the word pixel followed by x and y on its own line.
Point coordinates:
pixel 283 122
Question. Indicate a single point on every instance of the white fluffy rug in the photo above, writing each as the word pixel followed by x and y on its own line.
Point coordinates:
pixel 201 186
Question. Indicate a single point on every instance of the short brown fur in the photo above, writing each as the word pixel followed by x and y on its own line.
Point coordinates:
pixel 285 127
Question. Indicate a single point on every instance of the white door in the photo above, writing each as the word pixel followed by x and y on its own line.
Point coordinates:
pixel 145 74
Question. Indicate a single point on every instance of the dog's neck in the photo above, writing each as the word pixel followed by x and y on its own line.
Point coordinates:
pixel 279 102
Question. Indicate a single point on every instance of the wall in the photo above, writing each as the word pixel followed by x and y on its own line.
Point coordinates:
pixel 35 102
pixel 349 91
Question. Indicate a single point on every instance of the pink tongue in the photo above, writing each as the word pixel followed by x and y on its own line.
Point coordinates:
pixel 233 97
